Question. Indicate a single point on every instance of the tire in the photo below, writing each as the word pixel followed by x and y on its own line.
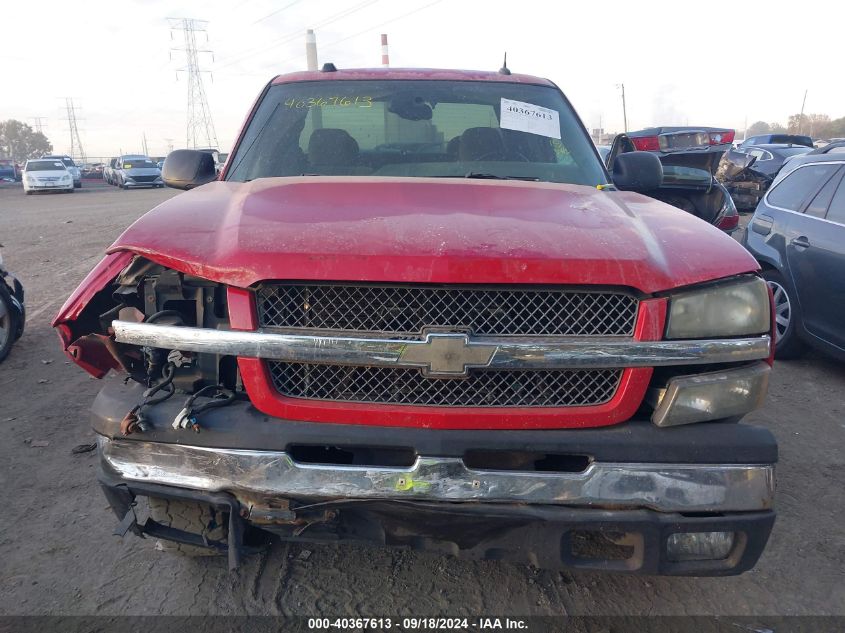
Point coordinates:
pixel 9 325
pixel 787 343
pixel 79 186
pixel 29 193
pixel 196 518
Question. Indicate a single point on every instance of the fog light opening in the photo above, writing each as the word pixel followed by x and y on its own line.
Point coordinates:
pixel 689 546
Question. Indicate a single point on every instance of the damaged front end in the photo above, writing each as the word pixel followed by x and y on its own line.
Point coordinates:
pixel 177 427
pixel 132 288
pixel 746 185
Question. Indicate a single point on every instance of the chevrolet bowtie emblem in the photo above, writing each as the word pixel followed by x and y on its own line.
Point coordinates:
pixel 447 355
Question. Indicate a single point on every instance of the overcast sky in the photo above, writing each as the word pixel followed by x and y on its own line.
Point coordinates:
pixel 712 63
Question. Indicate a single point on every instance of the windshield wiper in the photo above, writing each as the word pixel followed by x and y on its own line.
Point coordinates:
pixel 475 174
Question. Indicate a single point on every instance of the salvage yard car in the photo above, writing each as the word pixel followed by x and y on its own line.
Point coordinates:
pixel 690 156
pixel 72 168
pixel 797 234
pixel 748 172
pixel 46 175
pixel 136 171
pixel 12 311
pixel 8 170
pixel 785 139
pixel 415 310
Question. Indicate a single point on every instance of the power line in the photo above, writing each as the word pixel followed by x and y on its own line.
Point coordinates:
pixel 277 11
pixel 296 34
pixel 378 26
pixel 199 126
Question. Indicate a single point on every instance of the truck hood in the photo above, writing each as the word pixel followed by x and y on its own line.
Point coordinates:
pixel 434 230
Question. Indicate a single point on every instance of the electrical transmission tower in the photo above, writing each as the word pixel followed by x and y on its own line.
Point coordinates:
pixel 76 150
pixel 200 127
pixel 39 125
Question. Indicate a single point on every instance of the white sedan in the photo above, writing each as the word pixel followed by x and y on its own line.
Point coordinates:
pixel 46 174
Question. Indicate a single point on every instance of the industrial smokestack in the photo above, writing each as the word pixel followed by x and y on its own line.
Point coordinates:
pixel 385 57
pixel 311 49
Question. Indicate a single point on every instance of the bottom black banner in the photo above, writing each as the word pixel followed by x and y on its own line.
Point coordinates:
pixel 404 624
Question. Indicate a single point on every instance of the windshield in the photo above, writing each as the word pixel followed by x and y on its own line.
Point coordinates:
pixel 45 165
pixel 416 128
pixel 135 163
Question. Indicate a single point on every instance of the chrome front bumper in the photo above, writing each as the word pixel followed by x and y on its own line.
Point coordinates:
pixel 447 354
pixel 250 475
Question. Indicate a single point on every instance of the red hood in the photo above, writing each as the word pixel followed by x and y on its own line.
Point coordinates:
pixel 431 230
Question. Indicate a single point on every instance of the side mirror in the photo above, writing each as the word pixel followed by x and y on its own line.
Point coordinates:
pixel 621 145
pixel 188 168
pixel 637 171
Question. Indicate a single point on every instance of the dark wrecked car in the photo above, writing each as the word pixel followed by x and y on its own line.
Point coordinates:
pixel 690 156
pixel 748 173
pixel 415 310
pixel 770 158
pixel 12 311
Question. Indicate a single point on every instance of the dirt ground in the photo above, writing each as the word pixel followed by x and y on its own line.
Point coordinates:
pixel 58 555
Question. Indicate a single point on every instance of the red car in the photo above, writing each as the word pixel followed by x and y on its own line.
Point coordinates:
pixel 416 310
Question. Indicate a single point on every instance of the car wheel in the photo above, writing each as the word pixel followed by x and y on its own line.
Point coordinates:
pixel 189 516
pixel 787 343
pixel 29 193
pixel 77 186
pixel 8 322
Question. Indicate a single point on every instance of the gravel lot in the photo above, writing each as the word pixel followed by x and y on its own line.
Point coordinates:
pixel 58 555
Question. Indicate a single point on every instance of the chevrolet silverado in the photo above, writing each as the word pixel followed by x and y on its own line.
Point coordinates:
pixel 416 310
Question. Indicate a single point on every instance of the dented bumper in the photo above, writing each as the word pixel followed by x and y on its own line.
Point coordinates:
pixel 639 486
pixel 268 475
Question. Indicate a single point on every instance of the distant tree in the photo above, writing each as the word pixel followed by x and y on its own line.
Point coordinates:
pixel 820 126
pixel 837 128
pixel 796 122
pixel 777 128
pixel 20 142
pixel 760 127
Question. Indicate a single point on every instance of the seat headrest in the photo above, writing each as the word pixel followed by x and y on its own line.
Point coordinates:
pixel 481 143
pixel 332 147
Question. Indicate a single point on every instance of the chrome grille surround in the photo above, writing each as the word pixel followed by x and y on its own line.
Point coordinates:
pixel 480 389
pixel 480 311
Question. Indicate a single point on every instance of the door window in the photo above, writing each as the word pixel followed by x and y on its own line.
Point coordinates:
pixel 792 191
pixel 836 210
pixel 818 205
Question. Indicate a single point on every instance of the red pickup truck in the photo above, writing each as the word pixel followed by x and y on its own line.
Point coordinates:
pixel 416 310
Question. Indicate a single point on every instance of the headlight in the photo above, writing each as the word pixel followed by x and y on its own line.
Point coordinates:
pixel 733 308
pixel 66 177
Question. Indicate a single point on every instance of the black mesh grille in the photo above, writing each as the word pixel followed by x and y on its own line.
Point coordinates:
pixel 479 311
pixel 483 388
pixel 144 178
